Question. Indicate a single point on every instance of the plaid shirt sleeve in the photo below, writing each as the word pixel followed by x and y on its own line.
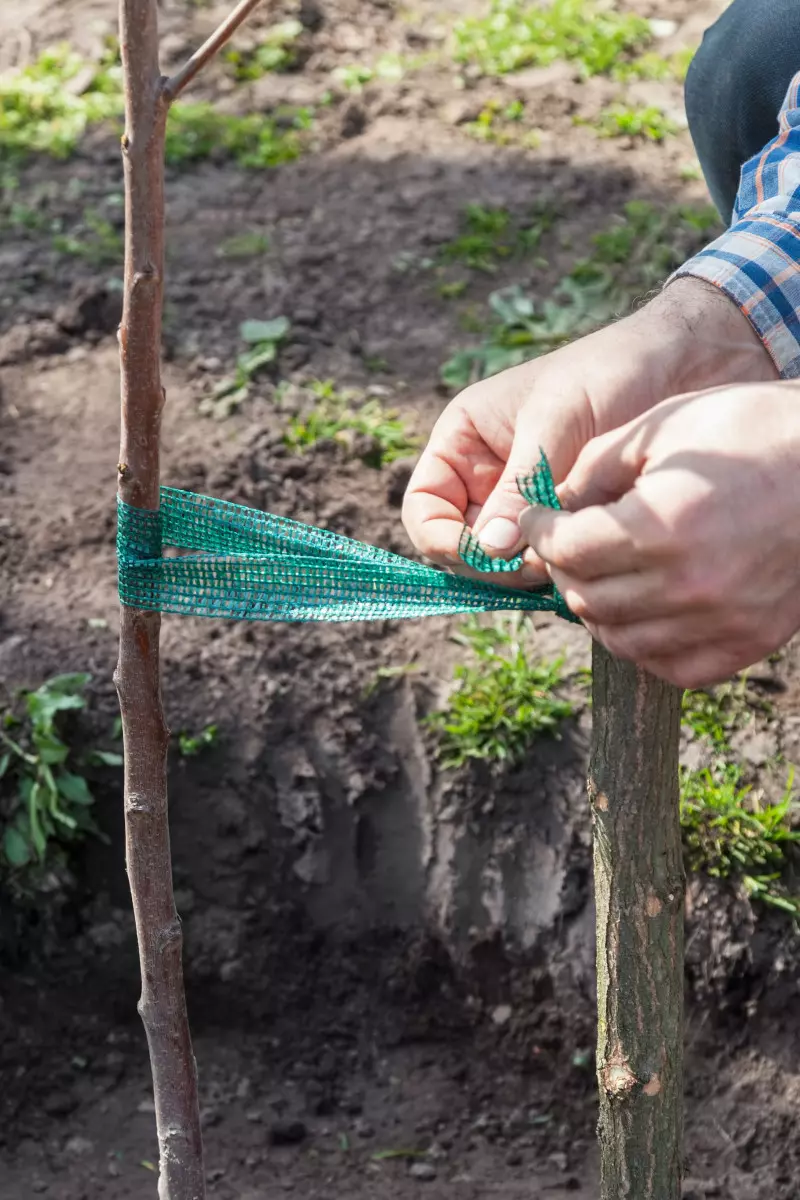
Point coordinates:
pixel 757 261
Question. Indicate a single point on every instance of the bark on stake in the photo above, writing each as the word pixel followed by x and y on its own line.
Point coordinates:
pixel 158 930
pixel 639 888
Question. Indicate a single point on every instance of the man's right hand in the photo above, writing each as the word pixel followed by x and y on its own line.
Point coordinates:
pixel 688 338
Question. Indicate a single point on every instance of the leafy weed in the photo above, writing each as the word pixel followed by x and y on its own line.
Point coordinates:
pixel 633 254
pixel 250 244
pixel 46 107
pixel 502 701
pixel 191 744
pixel 730 832
pixel 516 35
pixel 94 239
pixel 649 122
pixel 45 799
pixel 344 416
pixel 277 51
pixel 195 131
pixel 263 340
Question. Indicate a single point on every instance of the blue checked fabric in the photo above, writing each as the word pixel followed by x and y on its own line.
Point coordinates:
pixel 757 261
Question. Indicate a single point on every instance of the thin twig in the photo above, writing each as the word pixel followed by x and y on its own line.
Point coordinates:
pixel 177 82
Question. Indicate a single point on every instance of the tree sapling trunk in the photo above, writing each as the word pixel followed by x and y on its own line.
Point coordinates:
pixel 639 887
pixel 163 1005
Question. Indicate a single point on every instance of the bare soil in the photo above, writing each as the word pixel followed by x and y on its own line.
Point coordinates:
pixel 379 958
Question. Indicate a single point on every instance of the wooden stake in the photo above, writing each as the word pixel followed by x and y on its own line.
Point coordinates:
pixel 639 889
pixel 137 677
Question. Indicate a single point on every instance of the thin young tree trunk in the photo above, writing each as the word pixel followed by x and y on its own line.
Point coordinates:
pixel 639 886
pixel 158 928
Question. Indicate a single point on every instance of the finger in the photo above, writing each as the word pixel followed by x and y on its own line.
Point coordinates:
pixel 585 545
pixel 456 470
pixel 538 427
pixel 605 469
pixel 620 599
pixel 698 668
pixel 661 638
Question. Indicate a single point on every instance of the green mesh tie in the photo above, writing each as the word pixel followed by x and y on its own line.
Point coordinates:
pixel 224 560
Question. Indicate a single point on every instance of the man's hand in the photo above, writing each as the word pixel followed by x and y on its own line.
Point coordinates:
pixel 682 547
pixel 688 337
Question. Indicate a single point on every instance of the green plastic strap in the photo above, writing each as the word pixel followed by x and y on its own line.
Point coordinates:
pixel 205 557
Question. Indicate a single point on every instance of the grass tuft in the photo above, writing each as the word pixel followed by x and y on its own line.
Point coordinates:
pixel 345 417
pixel 620 120
pixel 502 700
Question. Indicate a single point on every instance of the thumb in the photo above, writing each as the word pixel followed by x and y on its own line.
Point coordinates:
pixel 606 468
pixel 497 527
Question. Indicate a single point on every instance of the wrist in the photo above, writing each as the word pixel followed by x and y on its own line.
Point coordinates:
pixel 710 341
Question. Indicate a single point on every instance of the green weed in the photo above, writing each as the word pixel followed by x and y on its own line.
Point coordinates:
pixel 94 239
pixel 636 251
pixel 263 340
pixel 277 51
pixel 502 700
pixel 714 715
pixel 244 245
pixel 389 67
pixel 516 35
pixel 655 67
pixel 501 124
pixel 343 416
pixel 730 832
pixel 650 123
pixel 46 799
pixel 195 131
pixel 490 235
pixel 40 112
pixel 191 744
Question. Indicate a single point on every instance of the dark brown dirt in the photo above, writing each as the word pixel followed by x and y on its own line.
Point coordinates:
pixel 378 958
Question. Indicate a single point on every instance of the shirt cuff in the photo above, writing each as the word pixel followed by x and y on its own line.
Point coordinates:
pixel 756 263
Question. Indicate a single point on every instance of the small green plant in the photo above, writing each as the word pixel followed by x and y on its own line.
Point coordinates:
pixel 502 701
pixel 516 35
pixel 389 67
pixel 250 244
pixel 501 124
pixel 277 51
pixel 490 235
pixel 45 799
pixel 715 714
pixel 191 744
pixel 94 239
pixel 262 339
pixel 41 113
pixel 655 67
pixel 649 122
pixel 343 416
pixel 195 131
pixel 636 251
pixel 730 832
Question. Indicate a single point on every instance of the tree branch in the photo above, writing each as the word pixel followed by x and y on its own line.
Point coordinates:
pixel 177 82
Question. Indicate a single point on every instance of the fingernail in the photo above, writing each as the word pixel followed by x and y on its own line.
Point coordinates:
pixel 500 534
